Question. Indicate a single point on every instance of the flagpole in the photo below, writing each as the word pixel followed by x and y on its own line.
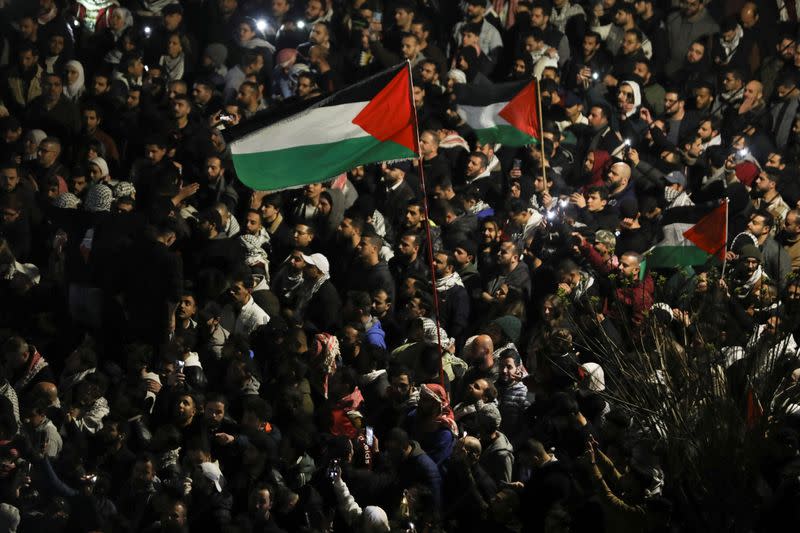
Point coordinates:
pixel 427 228
pixel 725 246
pixel 541 136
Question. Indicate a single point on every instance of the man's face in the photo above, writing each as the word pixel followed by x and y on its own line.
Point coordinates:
pixel 703 97
pixel 505 255
pixel 319 34
pixel 419 97
pixel 302 236
pixel 312 190
pixel 54 88
pixel 621 18
pixel 172 21
pixel 413 216
pixel 753 90
pixel 615 177
pixel 407 246
pixel 440 262
pixel 763 183
pixel 313 10
pixel 154 153
pixel 596 118
pixel 775 161
pixel 214 413
pixel 400 387
pixel 16 358
pixel 239 293
pixel 402 17
pixel 474 166
pixel 380 304
pixel 786 49
pixel 28 28
pixel 461 256
pixel 410 47
pixel 47 154
pixel 366 249
pixel 247 97
pixel 77 184
pixel 56 45
pixel 590 46
pixel 690 8
pixel 187 307
pixel 428 74
pixel 100 85
pixel 262 503
pixel 705 131
pixel 213 169
pixel 628 267
pixel 643 71
pixel 419 31
pixel 180 109
pixel 792 223
pixel 471 39
pixel 9 179
pixel 538 18
pixel 427 144
pixel 304 87
pixel 695 53
pixel 477 389
pixel 90 120
pixel 253 223
pixel 756 226
pixel 201 93
pixel 280 7
pixel 490 233
pixel 731 83
pixel 595 202
pixel 27 60
pixel 133 99
pixel 345 229
pixel 671 103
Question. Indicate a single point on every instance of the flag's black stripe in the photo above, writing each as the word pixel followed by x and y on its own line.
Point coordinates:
pixel 360 92
pixel 689 214
pixel 485 92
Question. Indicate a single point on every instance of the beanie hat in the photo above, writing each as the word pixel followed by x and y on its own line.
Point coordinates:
pixel 511 327
pixel 752 251
pixel 746 172
pixel 217 53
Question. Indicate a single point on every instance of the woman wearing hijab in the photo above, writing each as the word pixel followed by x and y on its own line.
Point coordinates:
pixel 75 84
pixel 331 213
pixel 105 45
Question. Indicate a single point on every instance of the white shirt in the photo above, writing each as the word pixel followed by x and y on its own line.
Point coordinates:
pixel 249 318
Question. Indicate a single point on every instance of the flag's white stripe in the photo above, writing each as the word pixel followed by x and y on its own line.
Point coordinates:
pixel 482 117
pixel 673 235
pixel 318 126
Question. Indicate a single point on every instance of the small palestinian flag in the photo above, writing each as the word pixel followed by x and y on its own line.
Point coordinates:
pixel 692 234
pixel 506 113
pixel 369 122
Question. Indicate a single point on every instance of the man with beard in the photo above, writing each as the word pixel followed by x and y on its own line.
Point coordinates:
pixel 785 108
pixel 112 452
pixel 216 188
pixel 345 255
pixel 779 63
pixel 789 237
pixel 192 138
pixel 708 131
pixel 453 297
pixel 625 21
pixel 25 80
pixel 48 164
pixel 594 59
pixel 678 121
pixel 603 136
pixel 555 39
pixel 732 92
pixel 788 188
pixel 53 112
pixel 684 27
pixel 753 111
pixel 767 197
pixel 408 261
pixel 775 260
pixel 630 53
pixel 212 249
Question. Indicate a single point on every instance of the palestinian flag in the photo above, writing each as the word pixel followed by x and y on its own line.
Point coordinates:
pixel 506 113
pixel 369 122
pixel 692 234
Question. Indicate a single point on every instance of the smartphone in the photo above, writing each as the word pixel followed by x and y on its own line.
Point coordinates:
pixel 370 436
pixel 179 366
pixel 333 470
pixel 225 117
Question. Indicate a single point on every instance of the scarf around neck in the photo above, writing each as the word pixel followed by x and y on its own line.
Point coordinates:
pixel 448 282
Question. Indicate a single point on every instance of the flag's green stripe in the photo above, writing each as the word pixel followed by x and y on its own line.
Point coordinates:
pixel 675 256
pixel 505 134
pixel 295 167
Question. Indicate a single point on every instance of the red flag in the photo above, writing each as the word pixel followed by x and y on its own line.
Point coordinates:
pixel 710 234
pixel 522 111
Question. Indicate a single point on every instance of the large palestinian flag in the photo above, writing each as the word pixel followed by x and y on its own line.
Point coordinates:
pixel 692 234
pixel 506 113
pixel 368 122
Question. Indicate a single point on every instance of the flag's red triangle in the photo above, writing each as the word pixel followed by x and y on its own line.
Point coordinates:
pixel 711 232
pixel 522 111
pixel 389 116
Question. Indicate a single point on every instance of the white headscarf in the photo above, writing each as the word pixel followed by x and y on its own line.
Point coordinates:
pixel 73 91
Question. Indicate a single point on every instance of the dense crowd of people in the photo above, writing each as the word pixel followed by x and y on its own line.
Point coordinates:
pixel 375 353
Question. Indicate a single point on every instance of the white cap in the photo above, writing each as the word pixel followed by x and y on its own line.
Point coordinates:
pixel 212 472
pixel 319 261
